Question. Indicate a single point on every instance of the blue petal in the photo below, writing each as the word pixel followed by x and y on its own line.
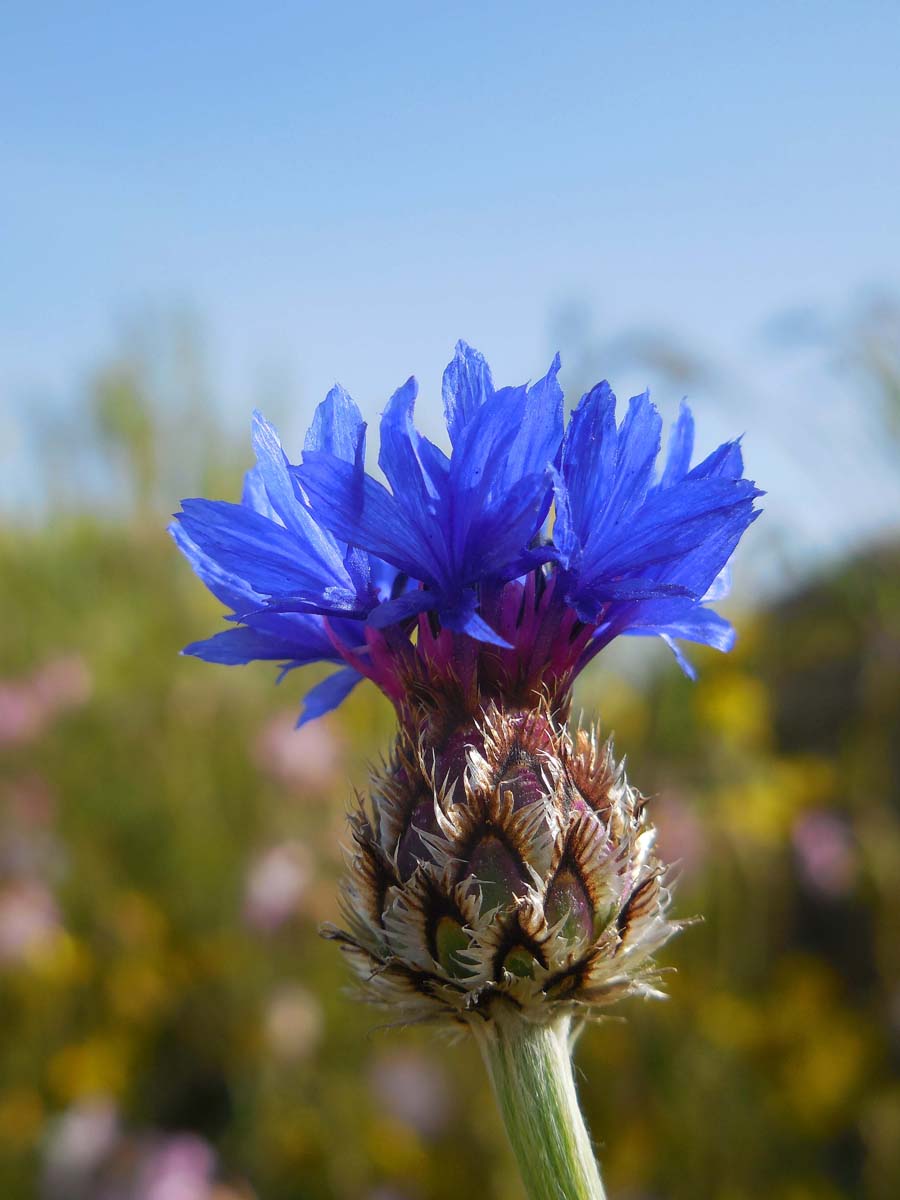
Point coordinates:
pixel 536 443
pixel 226 586
pixel 672 522
pixel 726 462
pixel 588 469
pixel 467 384
pixel 681 658
pixel 233 647
pixel 499 536
pixel 638 589
pixel 314 542
pixel 364 513
pixel 697 571
pixel 399 458
pixel 636 450
pixel 705 626
pixel 700 567
pixel 475 626
pixel 304 630
pixel 681 448
pixel 255 496
pixel 483 446
pixel 690 623
pixel 697 624
pixel 435 463
pixel 478 476
pixel 328 694
pixel 326 602
pixel 250 547
pixel 401 608
pixel 337 426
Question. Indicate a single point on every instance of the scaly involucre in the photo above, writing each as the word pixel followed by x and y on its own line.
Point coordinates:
pixel 528 877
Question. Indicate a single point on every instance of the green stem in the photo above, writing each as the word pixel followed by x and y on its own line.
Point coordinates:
pixel 531 1069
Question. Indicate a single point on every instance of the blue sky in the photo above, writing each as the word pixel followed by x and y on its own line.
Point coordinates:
pixel 342 190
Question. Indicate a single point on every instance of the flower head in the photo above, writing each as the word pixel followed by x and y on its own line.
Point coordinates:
pixel 503 859
pixel 455 571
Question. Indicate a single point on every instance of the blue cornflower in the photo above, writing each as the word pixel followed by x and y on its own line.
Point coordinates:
pixel 451 572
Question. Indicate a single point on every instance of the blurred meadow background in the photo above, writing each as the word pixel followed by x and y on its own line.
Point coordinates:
pixel 207 208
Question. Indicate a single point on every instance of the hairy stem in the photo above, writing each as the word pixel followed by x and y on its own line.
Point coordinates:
pixel 530 1067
